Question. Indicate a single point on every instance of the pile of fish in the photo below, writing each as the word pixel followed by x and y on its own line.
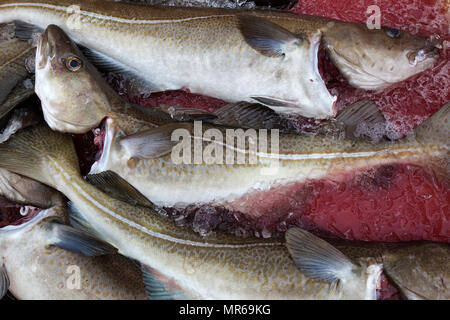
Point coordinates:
pixel 112 234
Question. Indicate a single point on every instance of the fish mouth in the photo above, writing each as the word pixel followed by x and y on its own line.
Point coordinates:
pixel 62 124
pixel 30 219
pixel 431 51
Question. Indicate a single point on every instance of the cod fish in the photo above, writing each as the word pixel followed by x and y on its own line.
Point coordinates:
pixel 34 264
pixel 236 55
pixel 185 165
pixel 178 263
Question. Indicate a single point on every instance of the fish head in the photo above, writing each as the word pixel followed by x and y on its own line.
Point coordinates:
pixel 375 59
pixel 73 95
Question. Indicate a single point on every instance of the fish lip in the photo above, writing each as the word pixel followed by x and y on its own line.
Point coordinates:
pixel 431 50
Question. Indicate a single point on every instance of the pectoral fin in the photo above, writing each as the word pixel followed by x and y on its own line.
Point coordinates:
pixel 317 258
pixel 152 143
pixel 111 183
pixel 266 37
pixel 4 281
pixel 362 111
pixel 156 289
pixel 251 115
pixel 78 241
pixel 25 31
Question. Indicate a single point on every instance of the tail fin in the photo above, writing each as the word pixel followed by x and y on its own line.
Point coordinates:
pixel 36 151
pixel 436 130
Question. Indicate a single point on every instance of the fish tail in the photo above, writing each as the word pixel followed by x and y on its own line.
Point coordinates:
pixel 36 152
pixel 436 130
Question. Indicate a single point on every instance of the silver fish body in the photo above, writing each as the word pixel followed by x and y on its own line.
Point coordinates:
pixel 212 51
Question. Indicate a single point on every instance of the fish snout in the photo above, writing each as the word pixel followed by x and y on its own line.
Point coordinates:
pixel 430 50
pixel 42 50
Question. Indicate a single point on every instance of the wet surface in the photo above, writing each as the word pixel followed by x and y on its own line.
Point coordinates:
pixel 388 203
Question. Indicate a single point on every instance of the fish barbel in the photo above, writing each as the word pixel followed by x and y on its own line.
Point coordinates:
pixel 38 268
pixel 185 264
pixel 263 55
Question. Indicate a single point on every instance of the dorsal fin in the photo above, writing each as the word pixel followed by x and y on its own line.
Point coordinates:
pixel 436 128
pixel 107 64
pixel 26 31
pixel 266 37
pixel 252 115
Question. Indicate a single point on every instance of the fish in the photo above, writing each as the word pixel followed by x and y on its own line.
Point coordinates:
pixel 185 165
pixel 264 56
pixel 177 262
pixel 77 100
pixel 204 3
pixel 16 83
pixel 35 265
pixel 300 158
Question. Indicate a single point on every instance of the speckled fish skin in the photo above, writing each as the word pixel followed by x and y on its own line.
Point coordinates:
pixel 204 50
pixel 299 159
pixel 39 271
pixel 219 267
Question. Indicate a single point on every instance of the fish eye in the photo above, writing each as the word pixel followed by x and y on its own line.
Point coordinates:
pixel 393 33
pixel 73 64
